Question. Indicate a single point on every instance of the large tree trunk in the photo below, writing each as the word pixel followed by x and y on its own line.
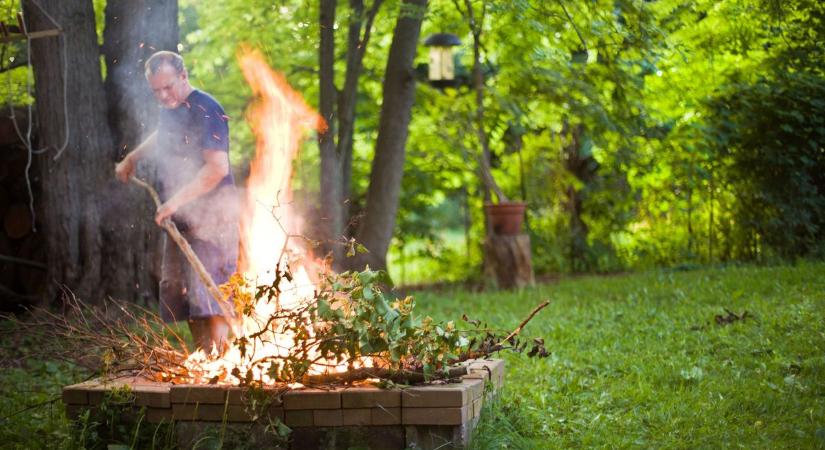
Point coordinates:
pixel 134 30
pixel 331 199
pixel 375 232
pixel 73 181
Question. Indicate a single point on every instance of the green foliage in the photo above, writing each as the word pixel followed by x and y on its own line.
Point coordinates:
pixel 646 82
pixel 771 134
pixel 361 321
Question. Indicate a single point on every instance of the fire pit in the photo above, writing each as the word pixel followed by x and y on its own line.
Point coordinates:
pixel 426 416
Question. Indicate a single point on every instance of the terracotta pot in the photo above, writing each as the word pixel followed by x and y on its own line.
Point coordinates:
pixel 506 218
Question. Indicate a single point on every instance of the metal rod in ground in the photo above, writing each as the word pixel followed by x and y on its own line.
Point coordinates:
pixel 193 259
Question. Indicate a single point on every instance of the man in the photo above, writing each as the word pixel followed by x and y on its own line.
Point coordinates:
pixel 190 150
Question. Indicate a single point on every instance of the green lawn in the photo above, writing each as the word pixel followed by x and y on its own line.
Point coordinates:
pixel 637 361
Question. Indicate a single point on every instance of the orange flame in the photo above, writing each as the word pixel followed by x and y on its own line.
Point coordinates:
pixel 280 119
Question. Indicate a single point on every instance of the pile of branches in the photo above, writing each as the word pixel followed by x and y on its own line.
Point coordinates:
pixel 117 338
pixel 349 319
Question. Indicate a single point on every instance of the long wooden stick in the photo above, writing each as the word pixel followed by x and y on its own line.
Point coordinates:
pixel 190 255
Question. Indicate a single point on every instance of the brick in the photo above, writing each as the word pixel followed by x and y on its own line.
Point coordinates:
pixel 386 416
pixel 477 404
pixel 437 436
pixel 489 369
pixel 276 412
pixel 157 415
pixel 370 397
pixel 357 416
pixel 327 417
pixel 191 394
pixel 156 396
pixel 475 386
pixel 75 394
pixel 198 412
pixel 435 416
pixel 236 395
pixel 440 396
pixel 298 418
pixel 312 399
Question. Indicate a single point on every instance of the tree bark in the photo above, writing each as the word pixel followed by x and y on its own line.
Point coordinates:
pixel 134 30
pixel 375 232
pixel 508 260
pixel 73 181
pixel 358 37
pixel 331 198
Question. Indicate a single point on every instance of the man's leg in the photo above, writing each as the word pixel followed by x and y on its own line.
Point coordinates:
pixel 209 332
pixel 199 335
pixel 219 332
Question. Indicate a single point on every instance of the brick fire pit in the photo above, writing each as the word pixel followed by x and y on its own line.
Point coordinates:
pixel 426 417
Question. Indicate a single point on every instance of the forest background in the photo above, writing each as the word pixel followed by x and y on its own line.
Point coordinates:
pixel 640 134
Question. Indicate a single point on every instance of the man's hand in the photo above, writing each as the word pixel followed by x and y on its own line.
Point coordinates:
pixel 125 169
pixel 165 211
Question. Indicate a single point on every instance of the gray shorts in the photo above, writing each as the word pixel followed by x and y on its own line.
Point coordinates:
pixel 183 296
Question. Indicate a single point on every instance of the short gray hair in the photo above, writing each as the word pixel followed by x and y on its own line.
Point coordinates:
pixel 162 57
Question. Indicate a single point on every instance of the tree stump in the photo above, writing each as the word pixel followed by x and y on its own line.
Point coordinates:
pixel 508 260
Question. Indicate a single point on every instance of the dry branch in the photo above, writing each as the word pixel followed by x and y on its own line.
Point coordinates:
pixel 193 259
pixel 524 322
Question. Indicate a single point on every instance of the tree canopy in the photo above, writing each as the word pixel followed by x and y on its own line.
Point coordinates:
pixel 640 133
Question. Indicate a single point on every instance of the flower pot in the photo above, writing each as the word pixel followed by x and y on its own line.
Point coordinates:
pixel 505 218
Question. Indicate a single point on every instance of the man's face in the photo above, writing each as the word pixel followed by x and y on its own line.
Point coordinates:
pixel 168 86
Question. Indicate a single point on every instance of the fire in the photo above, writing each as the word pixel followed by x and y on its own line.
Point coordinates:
pixel 280 119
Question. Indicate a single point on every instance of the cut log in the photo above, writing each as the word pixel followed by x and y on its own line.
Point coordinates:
pixel 17 221
pixel 508 260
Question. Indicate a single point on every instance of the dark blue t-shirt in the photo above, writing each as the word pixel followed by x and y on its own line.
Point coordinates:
pixel 183 134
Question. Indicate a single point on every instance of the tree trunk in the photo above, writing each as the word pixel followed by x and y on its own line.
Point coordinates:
pixel 134 30
pixel 358 37
pixel 584 168
pixel 375 232
pixel 331 199
pixel 508 260
pixel 75 180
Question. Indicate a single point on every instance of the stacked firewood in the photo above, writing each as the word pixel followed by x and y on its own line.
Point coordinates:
pixel 22 257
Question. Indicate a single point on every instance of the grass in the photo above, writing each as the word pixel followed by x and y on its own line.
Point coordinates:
pixel 638 361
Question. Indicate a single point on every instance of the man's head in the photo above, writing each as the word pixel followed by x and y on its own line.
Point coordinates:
pixel 168 79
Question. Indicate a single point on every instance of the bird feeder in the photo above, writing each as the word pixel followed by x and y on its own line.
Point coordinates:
pixel 441 69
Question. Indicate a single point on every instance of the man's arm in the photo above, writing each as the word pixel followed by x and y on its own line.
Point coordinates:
pixel 216 167
pixel 126 168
